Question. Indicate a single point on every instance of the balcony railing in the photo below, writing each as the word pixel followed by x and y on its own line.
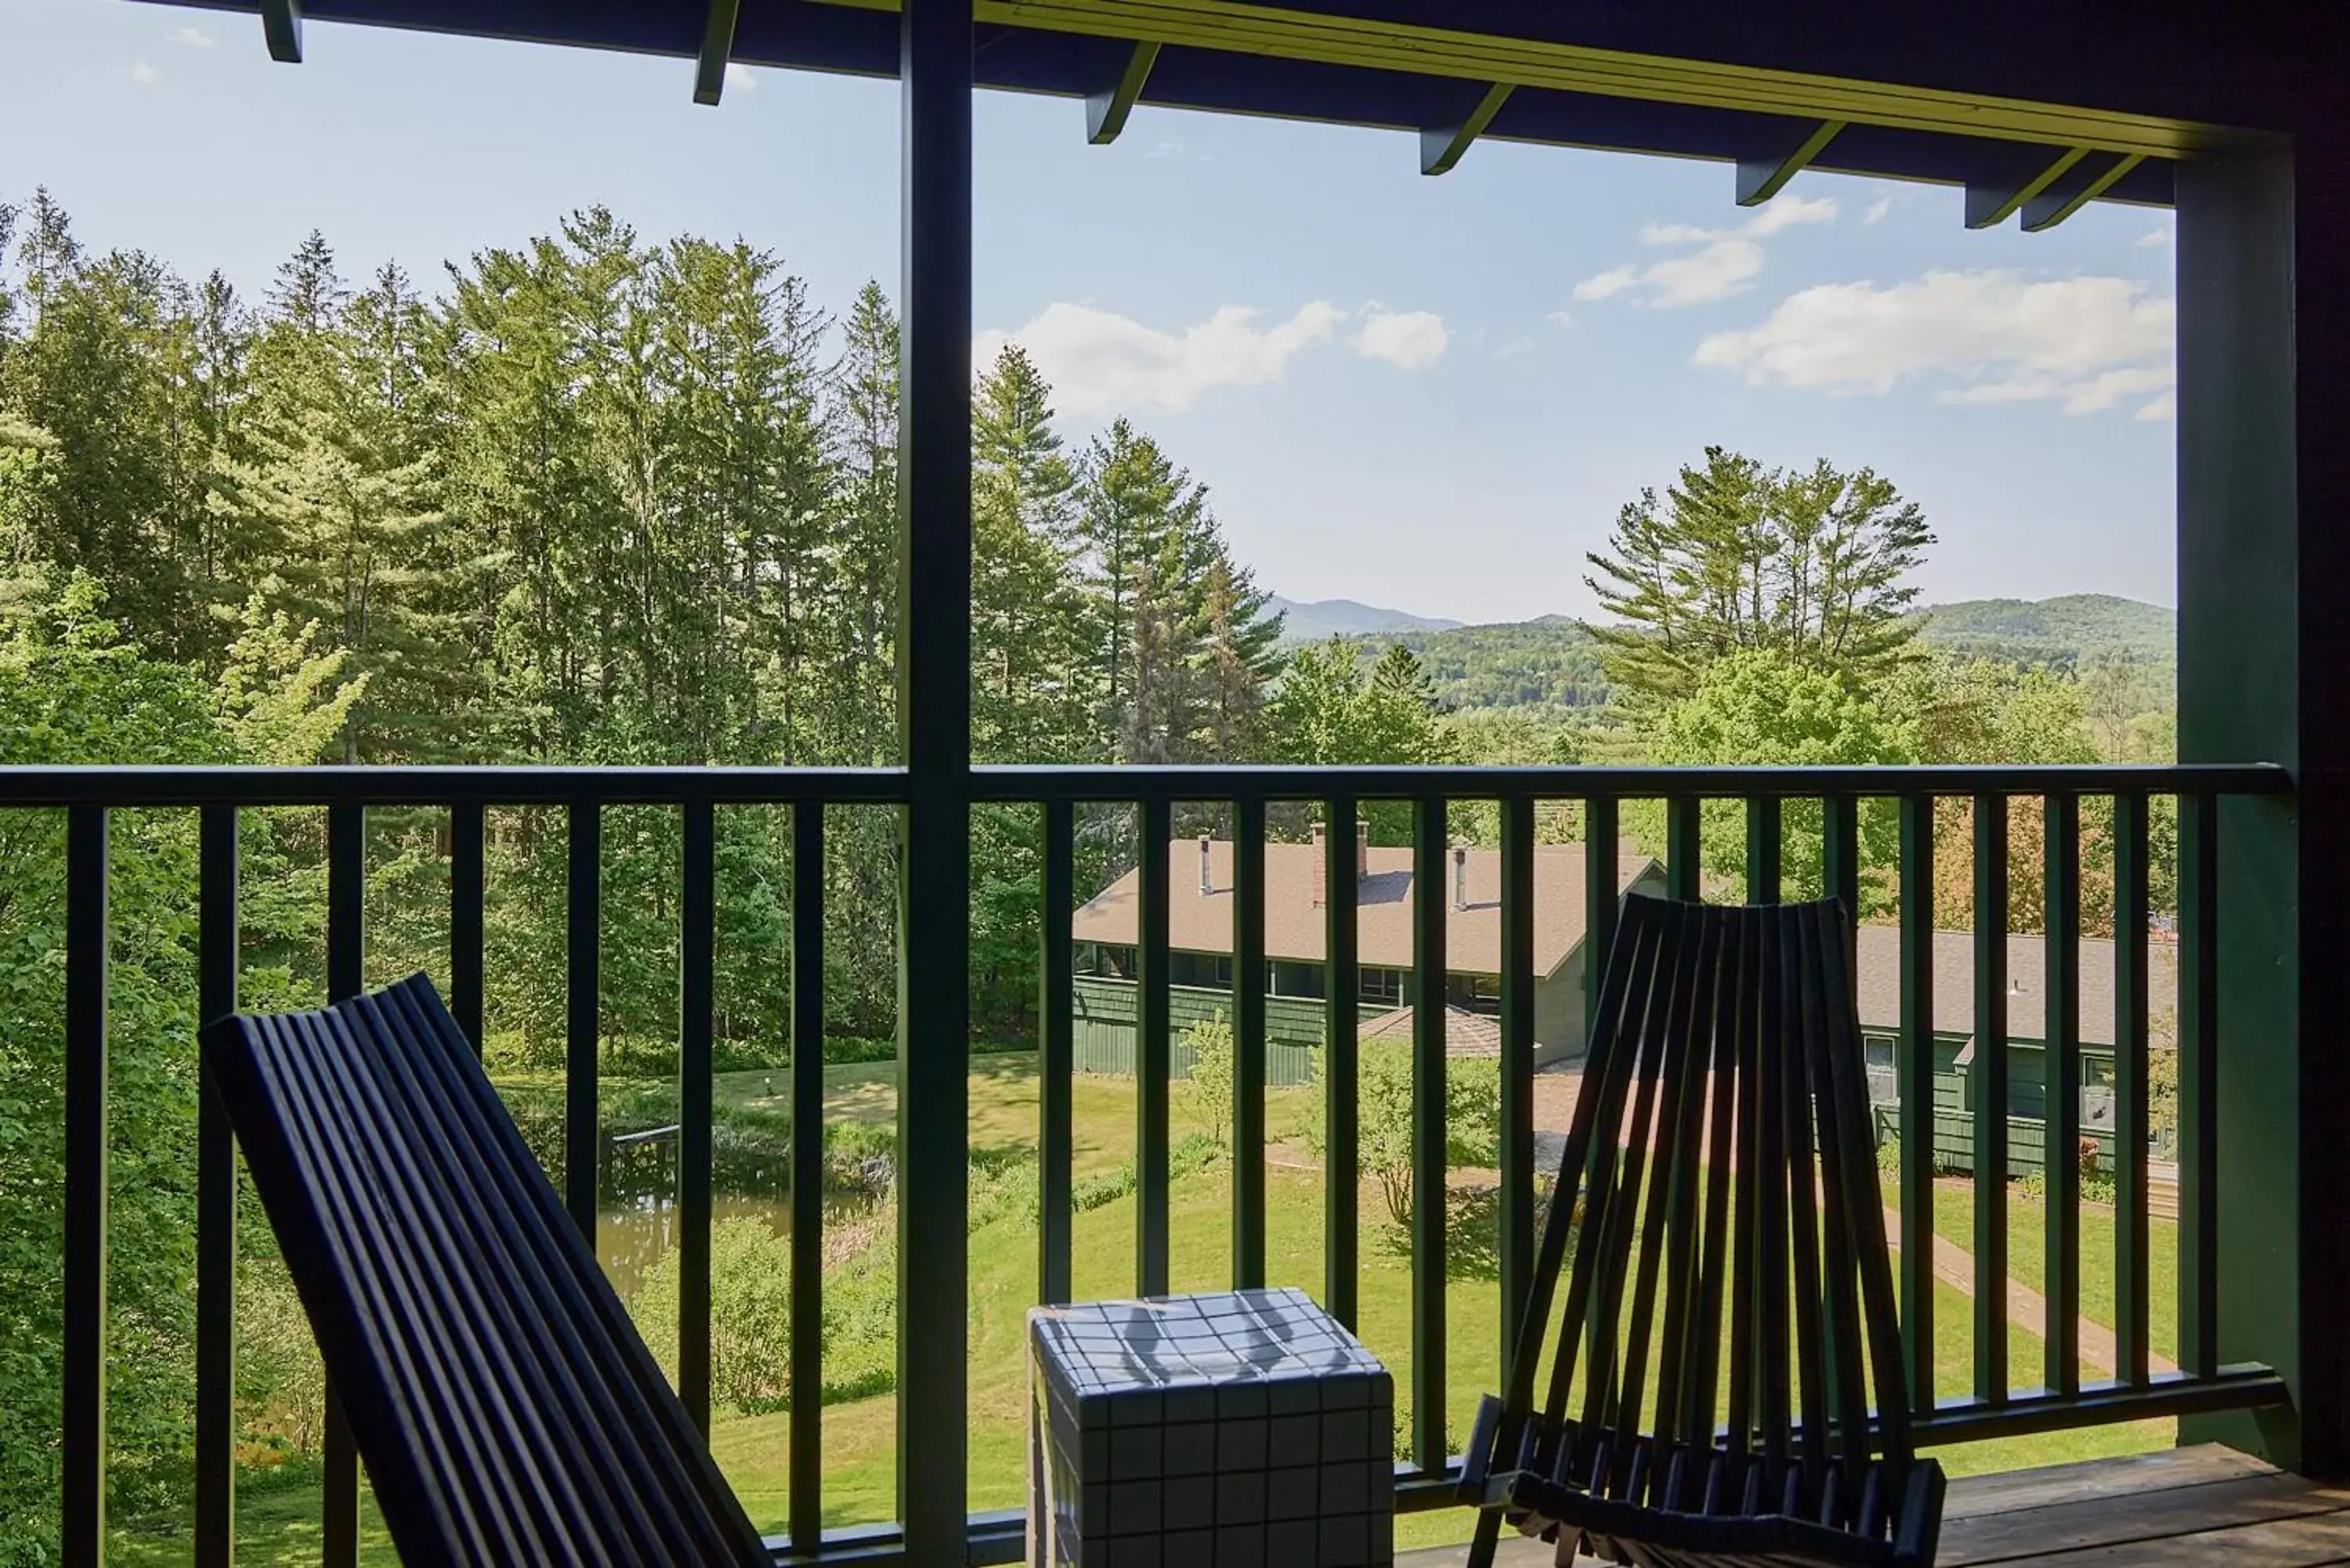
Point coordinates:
pixel 2057 1395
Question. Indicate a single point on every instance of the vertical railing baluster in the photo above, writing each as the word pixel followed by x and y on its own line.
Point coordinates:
pixel 1057 1055
pixel 583 984
pixel 1517 1238
pixel 216 978
pixel 697 1019
pixel 1341 1051
pixel 805 1504
pixel 2132 1265
pixel 82 1456
pixel 1763 849
pixel 1684 866
pixel 2198 1085
pixel 345 977
pixel 1431 902
pixel 1840 852
pixel 1153 1057
pixel 1915 1076
pixel 468 892
pixel 1600 899
pixel 1248 1044
pixel 2061 1119
pixel 1990 1078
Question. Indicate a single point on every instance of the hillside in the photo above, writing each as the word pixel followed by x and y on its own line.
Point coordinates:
pixel 1312 621
pixel 2069 632
pixel 1554 662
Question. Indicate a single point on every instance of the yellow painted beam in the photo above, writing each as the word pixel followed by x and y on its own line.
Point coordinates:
pixel 1267 30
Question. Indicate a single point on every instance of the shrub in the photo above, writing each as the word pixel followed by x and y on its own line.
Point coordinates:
pixel 749 1315
pixel 1211 1041
pixel 1472 1118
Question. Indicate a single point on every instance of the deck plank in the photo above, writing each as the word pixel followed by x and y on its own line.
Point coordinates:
pixel 2033 1535
pixel 2206 1505
pixel 1979 1497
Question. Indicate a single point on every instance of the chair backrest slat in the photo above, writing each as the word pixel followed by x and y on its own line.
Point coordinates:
pixel 501 1400
pixel 1724 1157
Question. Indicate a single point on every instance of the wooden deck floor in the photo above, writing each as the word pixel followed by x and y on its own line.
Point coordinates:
pixel 2191 1506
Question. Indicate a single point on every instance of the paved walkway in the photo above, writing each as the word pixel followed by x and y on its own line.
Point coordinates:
pixel 2026 1308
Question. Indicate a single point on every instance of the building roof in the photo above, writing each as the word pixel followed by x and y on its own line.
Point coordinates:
pixel 2027 970
pixel 1202 923
pixel 1466 1034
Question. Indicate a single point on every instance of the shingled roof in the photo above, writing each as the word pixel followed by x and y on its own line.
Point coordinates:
pixel 1201 922
pixel 2027 970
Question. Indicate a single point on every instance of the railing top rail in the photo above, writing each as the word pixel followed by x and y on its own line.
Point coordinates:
pixel 549 784
pixel 557 784
pixel 1284 782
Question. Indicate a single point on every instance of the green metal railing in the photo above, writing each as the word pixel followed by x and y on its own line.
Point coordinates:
pixel 932 1200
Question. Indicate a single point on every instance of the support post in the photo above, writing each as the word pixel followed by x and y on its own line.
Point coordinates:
pixel 2264 474
pixel 1759 179
pixel 934 737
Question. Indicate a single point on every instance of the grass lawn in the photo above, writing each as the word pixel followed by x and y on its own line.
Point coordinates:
pixel 279 1526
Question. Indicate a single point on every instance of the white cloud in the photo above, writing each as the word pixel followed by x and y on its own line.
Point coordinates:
pixel 1877 210
pixel 1715 272
pixel 145 75
pixel 742 77
pixel 1786 212
pixel 2156 239
pixel 1608 284
pixel 1408 339
pixel 1725 262
pixel 192 39
pixel 1163 150
pixel 2084 343
pixel 1101 362
pixel 2165 406
pixel 1563 319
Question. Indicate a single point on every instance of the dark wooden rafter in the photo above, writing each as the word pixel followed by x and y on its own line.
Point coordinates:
pixel 1989 205
pixel 1106 110
pixel 717 49
pixel 2088 180
pixel 281 28
pixel 1759 179
pixel 1440 146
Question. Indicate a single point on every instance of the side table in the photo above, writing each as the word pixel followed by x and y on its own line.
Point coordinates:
pixel 1237 1429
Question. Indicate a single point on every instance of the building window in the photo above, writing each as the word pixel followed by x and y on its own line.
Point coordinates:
pixel 1208 969
pixel 1383 985
pixel 1884 1077
pixel 1474 992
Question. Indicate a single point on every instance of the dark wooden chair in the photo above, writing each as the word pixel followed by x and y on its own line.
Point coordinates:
pixel 504 1406
pixel 1719 1192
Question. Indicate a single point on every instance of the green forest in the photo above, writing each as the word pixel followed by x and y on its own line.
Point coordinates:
pixel 596 497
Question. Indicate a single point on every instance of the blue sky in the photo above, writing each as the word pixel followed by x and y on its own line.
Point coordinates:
pixel 1427 393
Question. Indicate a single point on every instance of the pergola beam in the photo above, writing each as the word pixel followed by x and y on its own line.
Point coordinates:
pixel 1988 206
pixel 1440 146
pixel 281 28
pixel 717 50
pixel 2088 180
pixel 1759 179
pixel 1105 110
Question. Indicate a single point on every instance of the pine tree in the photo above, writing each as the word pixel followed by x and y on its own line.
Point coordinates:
pixel 1812 565
pixel 1026 616
pixel 864 417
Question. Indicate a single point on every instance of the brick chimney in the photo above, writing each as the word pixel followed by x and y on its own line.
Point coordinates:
pixel 1321 866
pixel 1460 877
pixel 1207 880
pixel 1362 851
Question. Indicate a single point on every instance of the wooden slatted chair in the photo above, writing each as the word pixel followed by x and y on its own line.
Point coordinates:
pixel 504 1406
pixel 1724 1160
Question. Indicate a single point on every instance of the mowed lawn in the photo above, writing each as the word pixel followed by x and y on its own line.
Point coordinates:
pixel 279 1526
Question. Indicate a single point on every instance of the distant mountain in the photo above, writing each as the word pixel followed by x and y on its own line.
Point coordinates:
pixel 2068 632
pixel 1314 620
pixel 1553 662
